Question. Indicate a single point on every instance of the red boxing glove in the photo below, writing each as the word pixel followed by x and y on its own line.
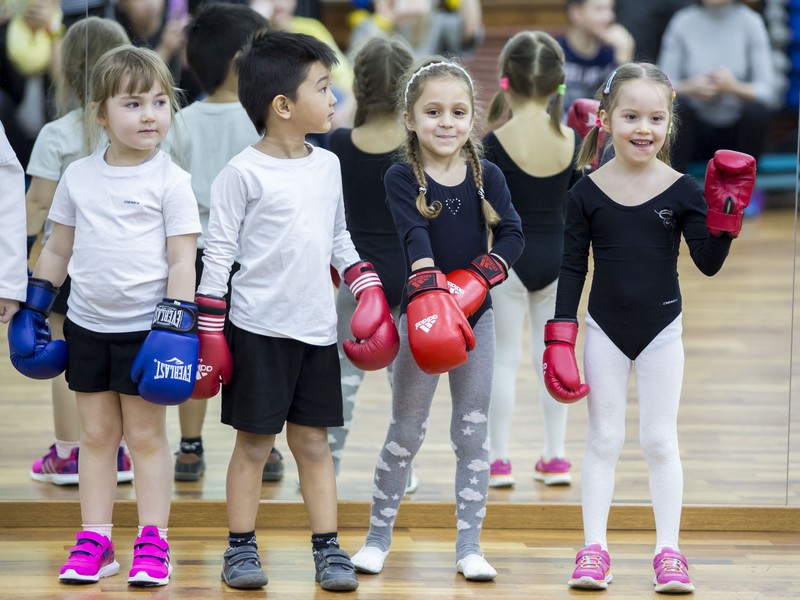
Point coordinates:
pixel 377 341
pixel 582 117
pixel 216 363
pixel 469 286
pixel 730 177
pixel 438 332
pixel 561 376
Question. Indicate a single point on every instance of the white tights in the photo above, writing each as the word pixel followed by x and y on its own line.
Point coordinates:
pixel 659 376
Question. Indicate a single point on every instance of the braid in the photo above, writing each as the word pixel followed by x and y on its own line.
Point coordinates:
pixel 489 213
pixel 432 211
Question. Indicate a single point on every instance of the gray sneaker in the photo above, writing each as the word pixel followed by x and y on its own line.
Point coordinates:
pixel 242 568
pixel 335 571
pixel 273 470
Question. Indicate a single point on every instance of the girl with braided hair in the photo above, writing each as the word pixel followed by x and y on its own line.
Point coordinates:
pixel 445 200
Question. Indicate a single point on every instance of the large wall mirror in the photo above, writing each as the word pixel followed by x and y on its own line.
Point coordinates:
pixel 739 423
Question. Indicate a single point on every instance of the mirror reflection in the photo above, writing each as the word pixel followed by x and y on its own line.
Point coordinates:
pixel 739 423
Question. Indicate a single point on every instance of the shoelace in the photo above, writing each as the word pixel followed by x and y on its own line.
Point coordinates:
pixel 673 565
pixel 592 560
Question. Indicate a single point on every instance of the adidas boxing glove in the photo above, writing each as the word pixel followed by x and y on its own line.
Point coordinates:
pixel 730 177
pixel 438 332
pixel 215 363
pixel 469 286
pixel 561 376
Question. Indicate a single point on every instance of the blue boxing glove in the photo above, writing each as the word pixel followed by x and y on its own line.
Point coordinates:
pixel 166 365
pixel 34 352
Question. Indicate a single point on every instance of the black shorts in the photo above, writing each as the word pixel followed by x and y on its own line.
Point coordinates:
pixel 99 362
pixel 279 380
pixel 60 304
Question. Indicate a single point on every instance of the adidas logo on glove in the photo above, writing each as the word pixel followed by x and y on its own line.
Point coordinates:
pixel 427 323
pixel 454 289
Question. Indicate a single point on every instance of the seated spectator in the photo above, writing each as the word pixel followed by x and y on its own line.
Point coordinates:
pixel 594 45
pixel 725 84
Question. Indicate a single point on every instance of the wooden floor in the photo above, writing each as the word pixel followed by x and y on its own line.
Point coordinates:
pixel 530 564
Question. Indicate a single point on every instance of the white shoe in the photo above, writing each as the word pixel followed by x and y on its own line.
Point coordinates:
pixel 369 559
pixel 475 568
pixel 412 483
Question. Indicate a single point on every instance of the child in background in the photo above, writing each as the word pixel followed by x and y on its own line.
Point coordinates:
pixel 13 272
pixel 366 152
pixel 536 155
pixel 125 221
pixel 58 144
pixel 593 45
pixel 631 213
pixel 445 201
pixel 205 136
pixel 277 208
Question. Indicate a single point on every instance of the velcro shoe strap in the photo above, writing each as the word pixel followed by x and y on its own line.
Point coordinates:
pixel 151 547
pixel 334 556
pixel 89 543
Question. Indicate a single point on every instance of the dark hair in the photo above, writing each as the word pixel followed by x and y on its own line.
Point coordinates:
pixel 273 64
pixel 608 93
pixel 532 62
pixel 377 67
pixel 214 37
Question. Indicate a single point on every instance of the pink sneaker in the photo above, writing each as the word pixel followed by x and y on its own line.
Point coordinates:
pixel 500 473
pixel 672 572
pixel 593 570
pixel 52 469
pixel 553 472
pixel 64 471
pixel 150 559
pixel 90 559
pixel 124 464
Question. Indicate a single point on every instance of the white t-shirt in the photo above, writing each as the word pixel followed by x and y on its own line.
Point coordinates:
pixel 122 218
pixel 13 265
pixel 204 136
pixel 283 220
pixel 59 144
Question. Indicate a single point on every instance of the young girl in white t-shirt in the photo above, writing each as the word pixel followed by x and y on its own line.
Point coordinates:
pixel 58 144
pixel 125 221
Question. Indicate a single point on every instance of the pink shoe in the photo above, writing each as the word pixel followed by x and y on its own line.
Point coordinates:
pixel 553 472
pixel 500 473
pixel 672 573
pixel 593 570
pixel 150 559
pixel 124 463
pixel 90 559
pixel 52 469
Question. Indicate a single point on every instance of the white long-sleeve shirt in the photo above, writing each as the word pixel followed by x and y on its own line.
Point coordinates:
pixel 13 267
pixel 283 221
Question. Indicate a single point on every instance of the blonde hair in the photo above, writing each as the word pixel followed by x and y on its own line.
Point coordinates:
pixel 85 41
pixel 128 70
pixel 608 93
pixel 411 88
pixel 532 65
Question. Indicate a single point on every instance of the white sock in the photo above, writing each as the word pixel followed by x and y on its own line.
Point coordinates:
pixel 369 559
pixel 101 529
pixel 476 568
pixel 64 449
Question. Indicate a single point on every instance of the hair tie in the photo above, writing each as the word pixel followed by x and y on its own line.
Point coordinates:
pixel 423 190
pixel 607 89
pixel 431 66
pixel 561 89
pixel 672 87
pixel 504 84
pixel 598 123
pixel 481 194
pixel 669 129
